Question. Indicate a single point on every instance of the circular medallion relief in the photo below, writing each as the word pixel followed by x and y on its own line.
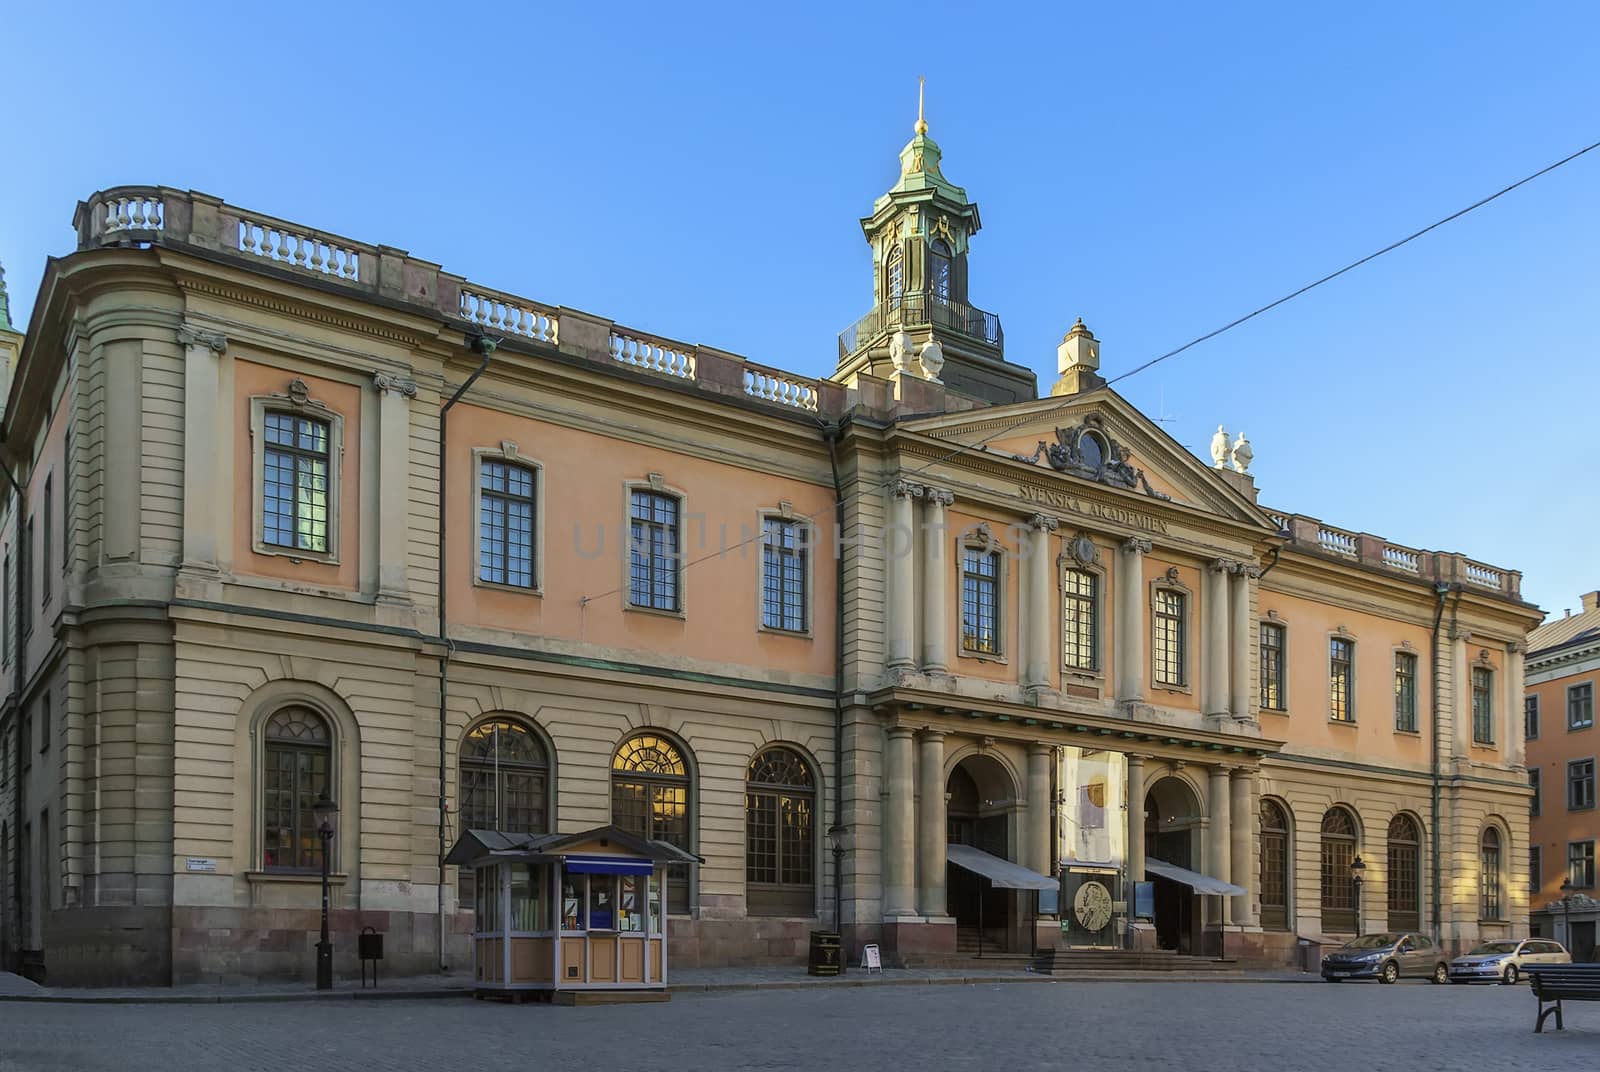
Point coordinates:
pixel 1092 906
pixel 1082 550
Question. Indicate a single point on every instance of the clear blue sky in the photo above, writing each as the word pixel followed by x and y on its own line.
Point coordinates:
pixel 1158 170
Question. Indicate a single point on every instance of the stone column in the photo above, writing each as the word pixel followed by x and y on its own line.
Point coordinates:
pixel 1130 654
pixel 1214 642
pixel 1461 694
pixel 1136 798
pixel 1041 602
pixel 394 484
pixel 899 825
pixel 1241 786
pixel 1036 846
pixel 1513 750
pixel 1219 835
pixel 204 457
pixel 936 568
pixel 1243 635
pixel 899 550
pixel 932 834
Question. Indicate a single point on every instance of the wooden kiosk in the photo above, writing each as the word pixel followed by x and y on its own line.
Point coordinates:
pixel 564 915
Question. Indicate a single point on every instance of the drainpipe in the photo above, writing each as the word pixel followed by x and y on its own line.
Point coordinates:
pixel 14 902
pixel 484 346
pixel 831 435
pixel 1441 591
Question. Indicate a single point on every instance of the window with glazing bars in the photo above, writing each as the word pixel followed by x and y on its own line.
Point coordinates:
pixel 1482 705
pixel 784 562
pixel 1580 864
pixel 1530 717
pixel 1079 619
pixel 1580 784
pixel 780 834
pixel 505 524
pixel 47 549
pixel 1489 906
pixel 1341 680
pixel 1274 867
pixel 1535 869
pixel 653 551
pixel 980 601
pixel 1580 706
pixel 1338 885
pixel 295 483
pixel 1272 698
pixel 1405 692
pixel 1405 876
pixel 1535 781
pixel 1167 645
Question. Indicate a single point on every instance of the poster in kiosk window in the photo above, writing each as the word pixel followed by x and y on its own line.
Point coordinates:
pixel 560 914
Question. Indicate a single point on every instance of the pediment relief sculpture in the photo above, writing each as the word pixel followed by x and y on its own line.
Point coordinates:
pixel 1087 450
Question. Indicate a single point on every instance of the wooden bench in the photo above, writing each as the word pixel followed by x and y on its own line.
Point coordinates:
pixel 1554 983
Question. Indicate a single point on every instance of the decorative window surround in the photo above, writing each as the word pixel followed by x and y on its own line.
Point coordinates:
pixel 295 401
pixel 509 453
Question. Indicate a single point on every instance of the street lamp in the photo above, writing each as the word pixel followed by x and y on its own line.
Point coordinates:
pixel 325 811
pixel 1357 870
pixel 1566 912
pixel 837 835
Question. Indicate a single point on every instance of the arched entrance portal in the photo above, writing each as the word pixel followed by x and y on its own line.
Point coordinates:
pixel 980 808
pixel 1172 834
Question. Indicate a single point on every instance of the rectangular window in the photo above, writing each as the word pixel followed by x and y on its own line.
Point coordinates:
pixel 784 561
pixel 1535 782
pixel 25 580
pixel 653 551
pixel 1272 666
pixel 1535 869
pixel 44 723
pixel 295 483
pixel 1482 705
pixel 1341 680
pixel 1580 864
pixel 5 608
pixel 980 601
pixel 505 524
pixel 1080 620
pixel 1167 643
pixel 25 739
pixel 45 548
pixel 1530 717
pixel 1580 784
pixel 1580 706
pixel 66 501
pixel 1405 692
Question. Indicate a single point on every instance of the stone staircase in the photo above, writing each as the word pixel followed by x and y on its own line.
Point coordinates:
pixel 1064 963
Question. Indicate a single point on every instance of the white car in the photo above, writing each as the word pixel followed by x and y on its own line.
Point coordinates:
pixel 1503 961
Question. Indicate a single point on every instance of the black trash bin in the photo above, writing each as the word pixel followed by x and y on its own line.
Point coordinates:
pixel 824 953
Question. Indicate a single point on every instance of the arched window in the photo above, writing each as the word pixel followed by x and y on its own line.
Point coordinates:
pixel 1338 886
pixel 1405 874
pixel 650 797
pixel 505 786
pixel 780 807
pixel 1274 867
pixel 297 764
pixel 894 274
pixel 939 271
pixel 1489 901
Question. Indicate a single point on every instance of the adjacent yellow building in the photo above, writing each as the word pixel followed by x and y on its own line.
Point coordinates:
pixel 909 651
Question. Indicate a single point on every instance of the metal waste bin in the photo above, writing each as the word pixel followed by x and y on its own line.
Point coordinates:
pixel 824 953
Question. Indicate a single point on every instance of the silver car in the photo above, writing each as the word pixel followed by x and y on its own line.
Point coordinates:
pixel 1386 957
pixel 1503 961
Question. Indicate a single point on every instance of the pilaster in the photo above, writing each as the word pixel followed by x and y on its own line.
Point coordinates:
pixel 899 825
pixel 1513 744
pixel 1214 639
pixel 1036 847
pixel 1241 806
pixel 935 581
pixel 394 432
pixel 207 452
pixel 1241 639
pixel 899 549
pixel 1040 604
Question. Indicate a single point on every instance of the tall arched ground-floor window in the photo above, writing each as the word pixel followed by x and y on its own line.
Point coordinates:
pixel 1338 885
pixel 298 761
pixel 505 786
pixel 650 797
pixel 1491 905
pixel 1274 867
pixel 1405 874
pixel 780 806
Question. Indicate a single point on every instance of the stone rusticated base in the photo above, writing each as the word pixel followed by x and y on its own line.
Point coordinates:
pixel 126 946
pixel 905 938
pixel 710 943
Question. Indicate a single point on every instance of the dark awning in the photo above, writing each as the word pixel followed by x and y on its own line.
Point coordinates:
pixel 606 865
pixel 1002 874
pixel 1193 879
pixel 485 845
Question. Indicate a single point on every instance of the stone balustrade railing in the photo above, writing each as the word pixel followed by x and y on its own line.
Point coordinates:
pixel 652 354
pixel 1308 533
pixel 781 387
pixel 503 313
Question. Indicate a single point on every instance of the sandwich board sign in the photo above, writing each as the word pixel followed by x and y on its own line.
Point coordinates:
pixel 870 959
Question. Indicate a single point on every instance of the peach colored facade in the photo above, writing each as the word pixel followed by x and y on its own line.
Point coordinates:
pixel 846 738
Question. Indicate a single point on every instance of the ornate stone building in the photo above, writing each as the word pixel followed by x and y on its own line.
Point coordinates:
pixel 908 649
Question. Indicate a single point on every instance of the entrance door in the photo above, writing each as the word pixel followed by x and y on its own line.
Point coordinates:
pixel 1582 945
pixel 1171 811
pixel 977 818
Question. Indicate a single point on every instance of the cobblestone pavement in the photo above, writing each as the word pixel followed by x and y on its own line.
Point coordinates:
pixel 1197 1027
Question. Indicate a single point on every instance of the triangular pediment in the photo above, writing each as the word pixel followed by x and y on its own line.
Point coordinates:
pixel 1136 458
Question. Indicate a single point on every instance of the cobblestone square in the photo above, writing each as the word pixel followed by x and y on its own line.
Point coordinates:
pixel 1237 1027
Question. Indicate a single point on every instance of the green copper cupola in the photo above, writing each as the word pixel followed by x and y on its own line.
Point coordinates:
pixel 919 234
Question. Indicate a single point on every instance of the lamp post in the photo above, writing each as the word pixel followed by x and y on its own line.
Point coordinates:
pixel 325 811
pixel 838 833
pixel 1566 912
pixel 1357 870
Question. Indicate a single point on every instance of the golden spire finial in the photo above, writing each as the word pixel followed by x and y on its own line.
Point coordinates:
pixel 922 124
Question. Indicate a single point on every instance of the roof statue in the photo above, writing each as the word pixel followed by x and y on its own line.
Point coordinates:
pixel 1220 448
pixel 1242 454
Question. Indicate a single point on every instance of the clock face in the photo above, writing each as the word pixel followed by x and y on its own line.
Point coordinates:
pixel 1092 906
